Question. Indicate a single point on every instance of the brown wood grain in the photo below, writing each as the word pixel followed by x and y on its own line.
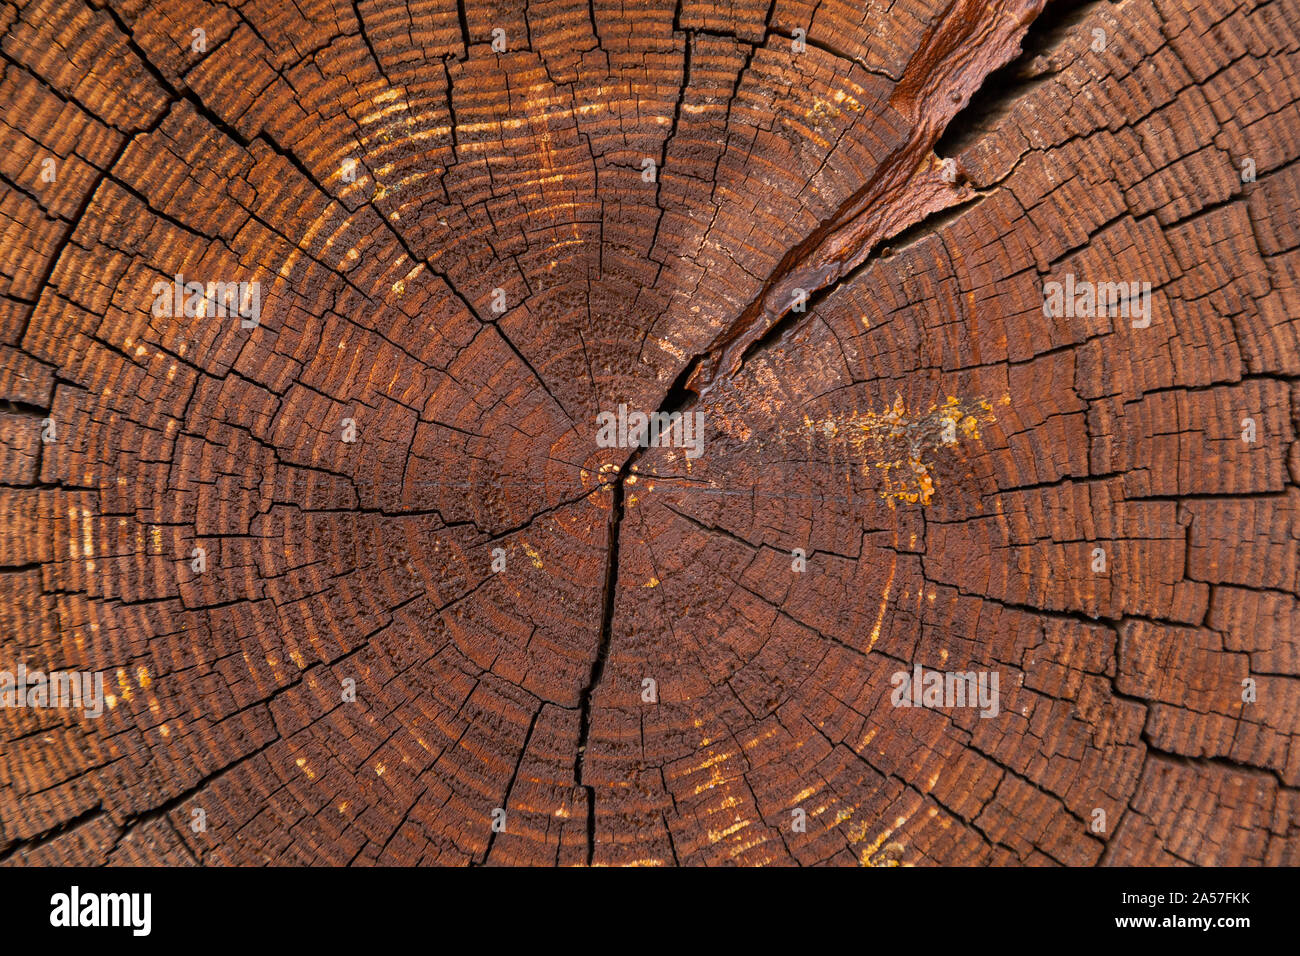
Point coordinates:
pixel 947 458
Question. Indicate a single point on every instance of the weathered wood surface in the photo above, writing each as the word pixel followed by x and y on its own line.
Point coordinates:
pixel 523 689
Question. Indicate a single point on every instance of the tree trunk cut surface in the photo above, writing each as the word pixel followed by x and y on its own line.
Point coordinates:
pixel 978 323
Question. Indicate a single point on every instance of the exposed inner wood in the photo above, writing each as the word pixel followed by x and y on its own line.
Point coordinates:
pixel 477 227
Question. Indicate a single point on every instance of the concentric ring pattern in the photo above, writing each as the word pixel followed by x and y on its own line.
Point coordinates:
pixel 366 584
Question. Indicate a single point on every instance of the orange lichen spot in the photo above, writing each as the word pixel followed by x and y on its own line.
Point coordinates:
pixel 897 442
pixel 123 684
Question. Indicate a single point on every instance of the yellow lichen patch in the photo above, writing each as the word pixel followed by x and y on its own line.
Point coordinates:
pixel 652 583
pixel 849 102
pixel 821 114
pixel 717 835
pixel 716 779
pixel 767 732
pixel 758 840
pixel 868 855
pixel 858 830
pixel 896 442
pixel 533 555
pixel 887 857
pixel 123 684
pixel 803 795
